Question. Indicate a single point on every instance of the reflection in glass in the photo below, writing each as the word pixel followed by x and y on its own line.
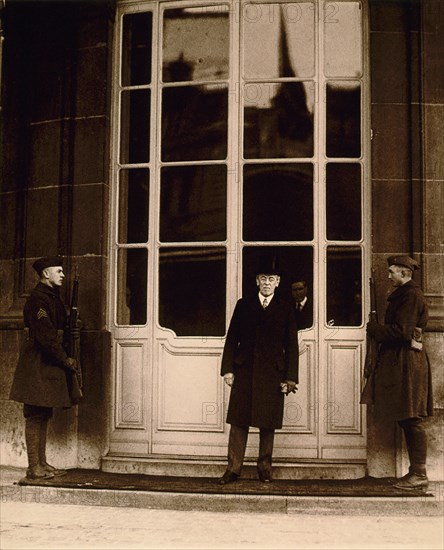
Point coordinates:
pixel 132 286
pixel 136 49
pixel 133 205
pixel 194 123
pixel 199 35
pixel 342 39
pixel 344 288
pixel 278 117
pixel 295 263
pixel 278 202
pixel 193 203
pixel 343 191
pixel 192 290
pixel 278 120
pixel 135 126
pixel 343 133
pixel 279 37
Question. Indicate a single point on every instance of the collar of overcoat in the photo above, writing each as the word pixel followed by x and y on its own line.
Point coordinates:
pixel 401 290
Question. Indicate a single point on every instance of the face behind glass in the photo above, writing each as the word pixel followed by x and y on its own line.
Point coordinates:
pixel 267 283
pixel 298 291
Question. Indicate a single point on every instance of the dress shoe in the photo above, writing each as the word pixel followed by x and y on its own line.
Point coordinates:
pixel 412 481
pixel 265 478
pixel 228 477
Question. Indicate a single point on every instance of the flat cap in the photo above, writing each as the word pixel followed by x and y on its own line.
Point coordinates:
pixel 404 261
pixel 50 261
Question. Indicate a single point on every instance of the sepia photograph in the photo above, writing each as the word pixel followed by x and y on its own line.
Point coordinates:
pixel 222 274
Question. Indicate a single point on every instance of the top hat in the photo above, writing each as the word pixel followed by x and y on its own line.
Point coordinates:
pixel 268 265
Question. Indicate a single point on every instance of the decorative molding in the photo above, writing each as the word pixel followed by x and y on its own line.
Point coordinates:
pixel 190 390
pixel 342 412
pixel 130 394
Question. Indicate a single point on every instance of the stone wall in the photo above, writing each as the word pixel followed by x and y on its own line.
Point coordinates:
pixel 406 51
pixel 55 195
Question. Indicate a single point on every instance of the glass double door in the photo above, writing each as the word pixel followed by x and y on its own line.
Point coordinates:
pixel 238 127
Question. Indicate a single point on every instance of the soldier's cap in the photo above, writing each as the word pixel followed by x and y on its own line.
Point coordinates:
pixel 49 261
pixel 404 261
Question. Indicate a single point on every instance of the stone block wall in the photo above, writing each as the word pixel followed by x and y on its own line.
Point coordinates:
pixel 54 196
pixel 407 70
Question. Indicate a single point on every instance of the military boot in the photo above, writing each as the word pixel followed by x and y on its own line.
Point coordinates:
pixel 415 479
pixel 32 436
pixel 413 482
pixel 42 452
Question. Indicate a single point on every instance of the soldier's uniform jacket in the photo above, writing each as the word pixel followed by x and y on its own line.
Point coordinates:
pixel 41 377
pixel 403 387
pixel 261 350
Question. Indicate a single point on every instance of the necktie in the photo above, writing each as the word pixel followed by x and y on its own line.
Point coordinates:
pixel 299 306
pixel 265 303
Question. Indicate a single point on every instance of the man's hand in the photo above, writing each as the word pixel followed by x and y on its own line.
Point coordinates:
pixel 291 386
pixel 229 378
pixel 71 364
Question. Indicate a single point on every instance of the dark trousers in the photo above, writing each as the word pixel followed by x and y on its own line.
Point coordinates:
pixel 416 441
pixel 237 443
pixel 36 425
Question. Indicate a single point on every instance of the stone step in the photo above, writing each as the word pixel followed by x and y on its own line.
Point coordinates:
pixel 205 467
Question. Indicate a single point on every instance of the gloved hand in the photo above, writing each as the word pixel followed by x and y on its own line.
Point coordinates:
pixel 71 364
pixel 291 386
pixel 229 378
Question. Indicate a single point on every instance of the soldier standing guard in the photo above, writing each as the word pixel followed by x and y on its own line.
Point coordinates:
pixel 403 386
pixel 44 373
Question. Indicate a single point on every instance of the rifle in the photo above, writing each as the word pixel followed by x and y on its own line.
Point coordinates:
pixel 73 341
pixel 371 356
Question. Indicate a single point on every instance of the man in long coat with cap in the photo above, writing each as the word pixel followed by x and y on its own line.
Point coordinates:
pixel 403 388
pixel 44 371
pixel 260 354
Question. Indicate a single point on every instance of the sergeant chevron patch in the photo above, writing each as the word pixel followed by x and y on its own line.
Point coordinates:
pixel 41 313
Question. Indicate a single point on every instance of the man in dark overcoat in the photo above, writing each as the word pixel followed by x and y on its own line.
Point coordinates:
pixel 44 371
pixel 403 388
pixel 260 354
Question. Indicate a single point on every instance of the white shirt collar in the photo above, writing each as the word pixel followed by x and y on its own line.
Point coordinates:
pixel 262 298
pixel 303 302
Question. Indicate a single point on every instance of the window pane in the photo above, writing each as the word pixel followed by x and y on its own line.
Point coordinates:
pixel 192 285
pixel 131 286
pixel 344 292
pixel 278 202
pixel 343 119
pixel 135 126
pixel 136 49
pixel 194 123
pixel 342 39
pixel 195 44
pixel 343 201
pixel 296 266
pixel 193 203
pixel 133 205
pixel 279 40
pixel 278 120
